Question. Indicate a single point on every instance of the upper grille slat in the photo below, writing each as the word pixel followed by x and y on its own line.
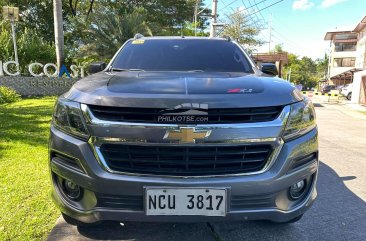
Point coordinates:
pixel 222 115
pixel 166 153
pixel 185 160
pixel 198 162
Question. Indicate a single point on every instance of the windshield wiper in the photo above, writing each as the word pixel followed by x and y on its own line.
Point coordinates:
pixel 196 70
pixel 121 70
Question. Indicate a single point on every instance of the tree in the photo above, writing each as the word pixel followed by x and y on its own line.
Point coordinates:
pixel 36 15
pixel 108 29
pixel 322 66
pixel 163 17
pixel 241 30
pixel 303 71
pixel 278 48
pixel 59 32
pixel 74 4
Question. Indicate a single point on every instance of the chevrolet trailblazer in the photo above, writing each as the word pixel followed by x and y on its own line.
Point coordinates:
pixel 183 129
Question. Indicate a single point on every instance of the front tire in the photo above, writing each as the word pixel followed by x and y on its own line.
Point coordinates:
pixel 75 222
pixel 349 96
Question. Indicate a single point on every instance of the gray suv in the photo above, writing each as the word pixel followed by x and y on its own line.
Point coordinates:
pixel 180 129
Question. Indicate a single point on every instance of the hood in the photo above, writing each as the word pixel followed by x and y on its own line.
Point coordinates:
pixel 169 89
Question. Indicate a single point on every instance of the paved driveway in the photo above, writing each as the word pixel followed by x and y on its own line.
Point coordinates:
pixel 338 214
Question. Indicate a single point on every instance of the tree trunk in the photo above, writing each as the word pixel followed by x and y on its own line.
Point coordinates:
pixel 59 32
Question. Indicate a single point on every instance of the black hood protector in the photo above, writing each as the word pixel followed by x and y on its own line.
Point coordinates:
pixel 170 89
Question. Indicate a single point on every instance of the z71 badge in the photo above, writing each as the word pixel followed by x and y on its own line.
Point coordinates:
pixel 240 91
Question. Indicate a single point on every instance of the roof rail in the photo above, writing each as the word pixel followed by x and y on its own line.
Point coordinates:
pixel 138 36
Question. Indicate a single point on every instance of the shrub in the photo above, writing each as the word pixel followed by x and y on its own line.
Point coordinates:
pixel 8 95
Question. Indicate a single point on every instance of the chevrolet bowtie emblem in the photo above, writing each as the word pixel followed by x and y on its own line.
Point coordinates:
pixel 186 135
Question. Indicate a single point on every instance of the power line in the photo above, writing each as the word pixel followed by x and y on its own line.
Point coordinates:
pixel 286 40
pixel 260 13
pixel 256 4
pixel 267 7
pixel 282 24
pixel 246 8
pixel 256 22
pixel 252 15
pixel 284 37
pixel 227 5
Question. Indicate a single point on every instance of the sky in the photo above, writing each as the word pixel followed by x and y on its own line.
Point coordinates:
pixel 298 25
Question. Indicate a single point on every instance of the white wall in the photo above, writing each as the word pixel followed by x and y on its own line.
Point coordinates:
pixel 359 54
pixel 343 54
pixel 357 86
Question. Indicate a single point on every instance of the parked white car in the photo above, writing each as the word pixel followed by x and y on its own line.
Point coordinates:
pixel 347 91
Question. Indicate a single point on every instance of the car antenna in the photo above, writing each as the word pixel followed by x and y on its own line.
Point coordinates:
pixel 227 38
pixel 181 31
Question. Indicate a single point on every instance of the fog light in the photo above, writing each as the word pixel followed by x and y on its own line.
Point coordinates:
pixel 297 190
pixel 72 190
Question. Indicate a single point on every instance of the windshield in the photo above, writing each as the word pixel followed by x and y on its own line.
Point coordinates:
pixel 182 55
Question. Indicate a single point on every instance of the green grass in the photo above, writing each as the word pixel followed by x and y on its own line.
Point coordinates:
pixel 26 208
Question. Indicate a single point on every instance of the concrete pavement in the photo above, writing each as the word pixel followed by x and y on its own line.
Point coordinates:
pixel 338 214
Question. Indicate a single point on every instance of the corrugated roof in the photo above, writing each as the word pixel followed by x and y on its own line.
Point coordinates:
pixel 360 25
pixel 347 73
pixel 330 35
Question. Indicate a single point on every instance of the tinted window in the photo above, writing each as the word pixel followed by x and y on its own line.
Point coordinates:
pixel 344 62
pixel 339 46
pixel 182 55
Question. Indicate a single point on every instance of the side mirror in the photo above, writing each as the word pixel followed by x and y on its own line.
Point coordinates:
pixel 269 69
pixel 97 67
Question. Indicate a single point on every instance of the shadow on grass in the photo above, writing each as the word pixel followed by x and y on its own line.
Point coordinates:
pixel 27 122
pixel 338 214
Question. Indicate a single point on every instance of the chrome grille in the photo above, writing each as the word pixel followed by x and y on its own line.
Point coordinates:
pixel 178 160
pixel 215 116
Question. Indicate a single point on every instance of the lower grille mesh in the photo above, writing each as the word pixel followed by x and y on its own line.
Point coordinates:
pixel 120 202
pixel 135 203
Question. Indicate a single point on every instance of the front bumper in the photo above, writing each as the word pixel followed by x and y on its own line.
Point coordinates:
pixel 261 196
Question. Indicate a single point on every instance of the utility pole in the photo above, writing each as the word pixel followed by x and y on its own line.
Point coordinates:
pixel 289 75
pixel 214 18
pixel 196 14
pixel 195 17
pixel 329 60
pixel 14 41
pixel 270 34
pixel 12 14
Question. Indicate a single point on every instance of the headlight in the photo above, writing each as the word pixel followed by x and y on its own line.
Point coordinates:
pixel 301 120
pixel 68 118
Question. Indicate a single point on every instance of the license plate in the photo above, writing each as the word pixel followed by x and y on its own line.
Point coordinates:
pixel 185 201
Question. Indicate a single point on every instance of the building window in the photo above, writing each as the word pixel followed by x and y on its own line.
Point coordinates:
pixel 340 47
pixel 344 36
pixel 344 62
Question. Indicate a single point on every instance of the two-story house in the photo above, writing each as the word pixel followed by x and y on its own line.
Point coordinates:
pixel 347 53
pixel 347 59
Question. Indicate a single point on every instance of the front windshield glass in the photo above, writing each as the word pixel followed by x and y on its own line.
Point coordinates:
pixel 182 55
